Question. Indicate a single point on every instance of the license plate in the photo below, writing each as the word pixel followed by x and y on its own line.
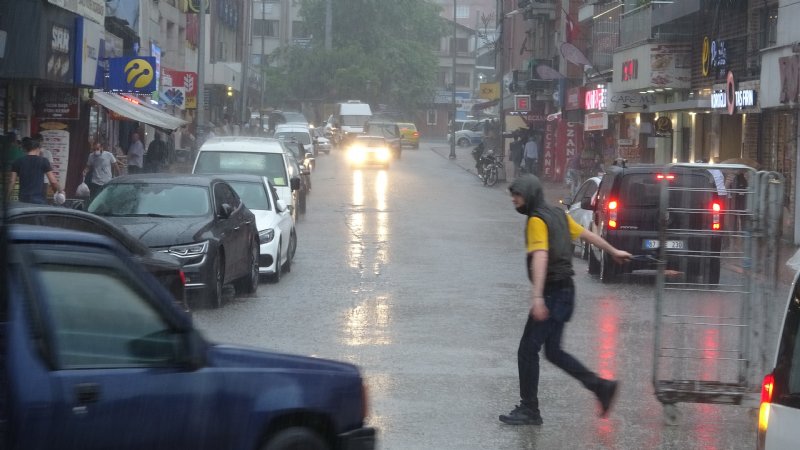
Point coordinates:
pixel 654 243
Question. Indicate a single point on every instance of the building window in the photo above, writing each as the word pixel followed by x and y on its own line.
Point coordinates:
pixel 268 28
pixel 462 12
pixel 299 29
pixel 431 117
pixel 461 45
pixel 462 79
pixel 443 78
pixel 769 30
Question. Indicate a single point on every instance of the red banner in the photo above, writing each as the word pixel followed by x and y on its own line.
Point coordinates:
pixel 550 144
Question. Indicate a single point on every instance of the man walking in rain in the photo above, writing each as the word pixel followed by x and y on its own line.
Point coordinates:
pixel 548 236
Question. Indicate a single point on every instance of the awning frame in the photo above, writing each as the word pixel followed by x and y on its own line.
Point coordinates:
pixel 135 110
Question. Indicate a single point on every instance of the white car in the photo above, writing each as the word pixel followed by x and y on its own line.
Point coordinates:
pixel 276 232
pixel 588 191
pixel 779 415
pixel 468 132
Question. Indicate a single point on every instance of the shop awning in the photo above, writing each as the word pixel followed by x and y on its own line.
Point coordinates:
pixel 134 110
pixel 484 105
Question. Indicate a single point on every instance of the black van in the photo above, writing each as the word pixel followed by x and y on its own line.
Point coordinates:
pixel 626 215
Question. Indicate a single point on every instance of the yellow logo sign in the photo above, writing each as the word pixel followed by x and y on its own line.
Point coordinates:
pixel 490 91
pixel 139 73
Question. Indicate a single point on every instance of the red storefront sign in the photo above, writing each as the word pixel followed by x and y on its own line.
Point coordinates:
pixel 562 141
pixel 575 98
pixel 185 80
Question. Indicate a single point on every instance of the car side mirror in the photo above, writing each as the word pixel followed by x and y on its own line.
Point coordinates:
pixel 294 183
pixel 586 203
pixel 280 205
pixel 225 211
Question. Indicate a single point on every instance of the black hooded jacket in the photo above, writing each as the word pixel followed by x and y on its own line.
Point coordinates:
pixel 559 254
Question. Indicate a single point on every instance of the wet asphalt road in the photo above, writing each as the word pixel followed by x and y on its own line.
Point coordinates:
pixel 416 274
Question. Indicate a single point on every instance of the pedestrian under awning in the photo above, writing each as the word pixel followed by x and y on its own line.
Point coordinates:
pixel 133 109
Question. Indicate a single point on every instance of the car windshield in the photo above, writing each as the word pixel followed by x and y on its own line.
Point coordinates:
pixel 155 200
pixel 354 121
pixel 300 136
pixel 252 194
pixel 270 165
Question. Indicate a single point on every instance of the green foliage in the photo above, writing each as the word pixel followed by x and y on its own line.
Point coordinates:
pixel 383 52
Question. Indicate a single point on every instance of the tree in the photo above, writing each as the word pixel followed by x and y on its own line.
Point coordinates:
pixel 383 52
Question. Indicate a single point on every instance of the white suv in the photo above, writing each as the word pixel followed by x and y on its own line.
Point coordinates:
pixel 254 156
pixel 468 132
pixel 779 416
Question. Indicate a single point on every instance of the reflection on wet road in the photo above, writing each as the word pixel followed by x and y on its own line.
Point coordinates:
pixel 367 220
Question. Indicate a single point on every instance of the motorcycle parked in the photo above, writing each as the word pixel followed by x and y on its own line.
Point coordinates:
pixel 488 165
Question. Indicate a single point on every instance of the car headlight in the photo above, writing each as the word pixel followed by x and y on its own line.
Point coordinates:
pixel 383 154
pixel 189 250
pixel 266 236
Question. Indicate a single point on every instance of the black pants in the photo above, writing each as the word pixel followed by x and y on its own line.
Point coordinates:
pixel 560 300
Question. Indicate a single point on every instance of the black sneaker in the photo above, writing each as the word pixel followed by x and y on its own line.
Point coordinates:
pixel 521 415
pixel 606 394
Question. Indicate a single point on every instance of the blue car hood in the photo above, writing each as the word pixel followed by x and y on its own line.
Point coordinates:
pixel 225 355
pixel 157 232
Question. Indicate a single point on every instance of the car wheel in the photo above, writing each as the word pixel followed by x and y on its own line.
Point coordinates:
pixel 276 277
pixel 249 283
pixel 594 264
pixel 295 438
pixel 214 293
pixel 463 142
pixel 292 249
pixel 607 270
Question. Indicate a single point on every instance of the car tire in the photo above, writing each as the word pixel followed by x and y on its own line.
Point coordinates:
pixel 608 273
pixel 594 264
pixel 249 283
pixel 276 277
pixel 463 142
pixel 295 438
pixel 214 293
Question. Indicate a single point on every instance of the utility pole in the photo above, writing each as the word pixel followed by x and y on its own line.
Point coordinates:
pixel 248 43
pixel 453 122
pixel 328 24
pixel 201 73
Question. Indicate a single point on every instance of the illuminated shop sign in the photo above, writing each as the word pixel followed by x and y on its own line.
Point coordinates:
pixel 596 99
pixel 745 98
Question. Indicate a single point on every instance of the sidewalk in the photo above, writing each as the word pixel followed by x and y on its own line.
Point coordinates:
pixel 554 192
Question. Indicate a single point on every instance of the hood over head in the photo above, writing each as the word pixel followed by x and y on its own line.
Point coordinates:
pixel 530 188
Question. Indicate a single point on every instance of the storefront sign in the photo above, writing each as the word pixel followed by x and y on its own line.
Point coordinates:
pixel 522 102
pixel 56 103
pixel 714 57
pixel 596 99
pixel 186 81
pixel 630 70
pixel 731 98
pixel 596 121
pixel 132 74
pixel 575 99
pixel 59 58
pixel 663 126
pixel 90 36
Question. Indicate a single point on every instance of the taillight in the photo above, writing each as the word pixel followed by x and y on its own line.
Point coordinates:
pixel 661 176
pixel 715 213
pixel 763 413
pixel 612 213
pixel 183 277
pixel 416 134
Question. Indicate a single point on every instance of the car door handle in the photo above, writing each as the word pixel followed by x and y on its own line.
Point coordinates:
pixel 86 393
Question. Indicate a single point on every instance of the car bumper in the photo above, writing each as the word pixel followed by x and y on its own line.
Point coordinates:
pixel 358 439
pixel 633 242
pixel 267 255
pixel 196 272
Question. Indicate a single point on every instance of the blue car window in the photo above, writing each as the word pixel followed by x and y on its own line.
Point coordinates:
pixel 100 320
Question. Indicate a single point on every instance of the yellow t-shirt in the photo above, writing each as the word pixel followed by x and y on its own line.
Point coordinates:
pixel 537 233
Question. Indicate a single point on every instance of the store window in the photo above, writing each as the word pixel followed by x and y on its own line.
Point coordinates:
pixel 431 117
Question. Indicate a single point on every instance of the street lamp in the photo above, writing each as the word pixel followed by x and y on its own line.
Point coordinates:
pixel 453 122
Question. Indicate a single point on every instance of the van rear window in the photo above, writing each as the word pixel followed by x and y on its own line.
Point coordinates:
pixel 643 190
pixel 270 165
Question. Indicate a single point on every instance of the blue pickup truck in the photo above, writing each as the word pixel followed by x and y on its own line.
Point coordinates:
pixel 95 355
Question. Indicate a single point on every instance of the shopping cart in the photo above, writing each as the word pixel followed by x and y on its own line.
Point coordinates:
pixel 710 309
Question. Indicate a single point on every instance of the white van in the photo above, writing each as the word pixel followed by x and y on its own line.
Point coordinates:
pixel 350 118
pixel 302 134
pixel 779 416
pixel 250 155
